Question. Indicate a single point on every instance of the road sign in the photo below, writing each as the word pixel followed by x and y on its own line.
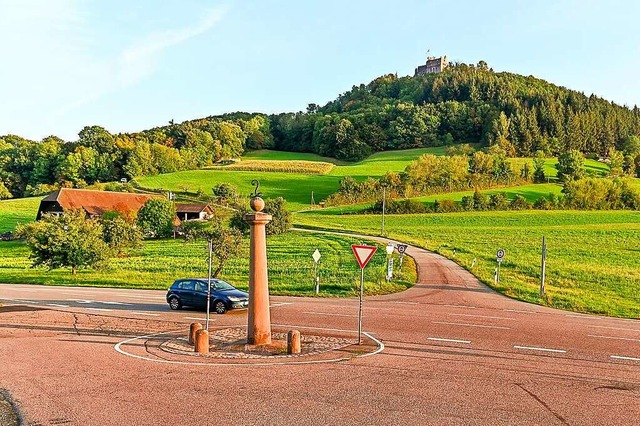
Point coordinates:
pixel 316 256
pixel 500 254
pixel 363 254
pixel 390 269
pixel 401 248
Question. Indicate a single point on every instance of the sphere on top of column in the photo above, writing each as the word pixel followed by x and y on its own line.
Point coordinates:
pixel 257 203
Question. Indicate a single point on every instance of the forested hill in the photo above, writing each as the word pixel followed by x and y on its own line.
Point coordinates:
pixel 462 104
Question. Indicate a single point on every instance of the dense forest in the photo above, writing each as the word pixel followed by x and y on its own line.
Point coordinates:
pixel 464 104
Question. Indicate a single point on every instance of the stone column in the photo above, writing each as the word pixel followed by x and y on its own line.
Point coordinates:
pixel 259 326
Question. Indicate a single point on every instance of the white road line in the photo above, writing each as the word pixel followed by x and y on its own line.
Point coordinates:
pixel 314 328
pixel 460 306
pixel 354 307
pixel 25 301
pixel 146 313
pixel 83 301
pixel 471 325
pixel 333 315
pixel 100 309
pixel 582 316
pixel 114 303
pixel 57 305
pixel 280 304
pixel 440 339
pixel 534 348
pixel 628 358
pixel 614 328
pixel 380 346
pixel 482 316
pixel 614 338
pixel 520 311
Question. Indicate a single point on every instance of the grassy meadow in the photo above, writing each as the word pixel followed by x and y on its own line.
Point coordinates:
pixel 159 263
pixel 19 210
pixel 593 257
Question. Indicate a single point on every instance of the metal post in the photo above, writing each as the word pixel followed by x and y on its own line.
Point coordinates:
pixel 543 270
pixel 209 285
pixel 317 278
pixel 498 273
pixel 384 198
pixel 360 311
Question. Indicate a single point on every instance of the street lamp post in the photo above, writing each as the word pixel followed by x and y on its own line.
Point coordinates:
pixel 384 202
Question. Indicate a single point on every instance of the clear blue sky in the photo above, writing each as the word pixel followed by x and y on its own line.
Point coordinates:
pixel 131 65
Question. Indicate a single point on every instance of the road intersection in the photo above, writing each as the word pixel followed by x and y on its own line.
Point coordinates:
pixel 455 352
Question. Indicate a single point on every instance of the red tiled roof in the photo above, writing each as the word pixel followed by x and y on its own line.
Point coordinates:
pixel 191 207
pixel 98 202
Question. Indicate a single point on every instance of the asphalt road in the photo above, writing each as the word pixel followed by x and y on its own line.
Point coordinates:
pixel 455 352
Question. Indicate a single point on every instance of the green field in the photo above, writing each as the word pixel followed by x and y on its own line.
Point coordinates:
pixel 593 257
pixel 20 210
pixel 593 168
pixel 296 188
pixel 160 262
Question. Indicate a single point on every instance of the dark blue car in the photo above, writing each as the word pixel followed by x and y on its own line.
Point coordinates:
pixel 193 292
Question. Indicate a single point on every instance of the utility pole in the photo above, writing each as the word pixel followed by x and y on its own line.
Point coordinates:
pixel 543 270
pixel 209 284
pixel 384 200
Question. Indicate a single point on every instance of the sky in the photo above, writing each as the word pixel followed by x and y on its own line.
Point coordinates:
pixel 132 65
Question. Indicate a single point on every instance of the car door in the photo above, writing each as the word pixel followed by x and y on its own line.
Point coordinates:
pixel 187 292
pixel 200 294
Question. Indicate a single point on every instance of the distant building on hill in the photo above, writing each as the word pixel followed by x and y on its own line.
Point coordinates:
pixel 97 203
pixel 434 65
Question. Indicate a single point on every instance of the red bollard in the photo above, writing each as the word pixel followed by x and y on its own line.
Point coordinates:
pixel 195 326
pixel 202 342
pixel 293 342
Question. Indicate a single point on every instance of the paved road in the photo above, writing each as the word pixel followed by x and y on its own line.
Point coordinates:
pixel 455 353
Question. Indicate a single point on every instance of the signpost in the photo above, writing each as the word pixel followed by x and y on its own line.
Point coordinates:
pixel 402 248
pixel 316 258
pixel 363 255
pixel 499 257
pixel 543 270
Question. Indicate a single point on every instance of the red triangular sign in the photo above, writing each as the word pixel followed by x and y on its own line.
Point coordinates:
pixel 363 254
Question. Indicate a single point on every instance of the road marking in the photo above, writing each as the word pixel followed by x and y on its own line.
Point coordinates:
pixel 439 339
pixel 461 306
pixel 404 303
pixel 198 319
pixel 146 313
pixel 25 301
pixel 83 301
pixel 280 304
pixel 100 309
pixel 57 305
pixel 482 316
pixel 333 315
pixel 613 337
pixel 582 316
pixel 613 328
pixel 520 311
pixel 628 358
pixel 315 328
pixel 534 348
pixel 471 325
pixel 113 303
pixel 380 346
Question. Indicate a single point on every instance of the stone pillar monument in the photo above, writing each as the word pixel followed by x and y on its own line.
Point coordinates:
pixel 259 326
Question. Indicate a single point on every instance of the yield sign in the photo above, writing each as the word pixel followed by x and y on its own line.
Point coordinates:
pixel 363 254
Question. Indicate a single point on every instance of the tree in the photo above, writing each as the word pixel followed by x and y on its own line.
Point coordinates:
pixel 225 193
pixel 281 221
pixel 4 192
pixel 225 243
pixel 119 232
pixel 616 162
pixel 538 168
pixel 570 166
pixel 68 240
pixel 156 217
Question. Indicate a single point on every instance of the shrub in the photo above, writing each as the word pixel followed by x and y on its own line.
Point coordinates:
pixel 519 203
pixel 498 202
pixel 281 221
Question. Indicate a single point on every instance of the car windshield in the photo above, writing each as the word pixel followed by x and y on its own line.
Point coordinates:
pixel 221 285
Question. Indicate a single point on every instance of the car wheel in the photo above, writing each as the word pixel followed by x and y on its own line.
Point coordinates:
pixel 174 303
pixel 219 307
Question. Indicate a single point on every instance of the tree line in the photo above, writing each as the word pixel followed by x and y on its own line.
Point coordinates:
pixel 463 104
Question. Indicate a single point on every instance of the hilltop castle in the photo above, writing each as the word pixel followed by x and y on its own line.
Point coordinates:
pixel 434 65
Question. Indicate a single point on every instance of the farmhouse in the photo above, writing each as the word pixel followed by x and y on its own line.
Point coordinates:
pixel 96 203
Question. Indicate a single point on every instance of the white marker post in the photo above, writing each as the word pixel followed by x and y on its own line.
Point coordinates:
pixel 363 255
pixel 499 257
pixel 316 258
pixel 389 249
pixel 543 270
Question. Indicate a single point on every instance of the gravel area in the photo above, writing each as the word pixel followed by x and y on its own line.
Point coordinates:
pixel 8 414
